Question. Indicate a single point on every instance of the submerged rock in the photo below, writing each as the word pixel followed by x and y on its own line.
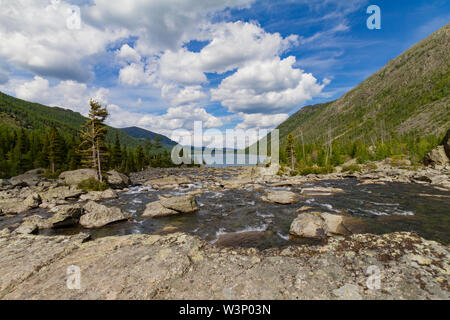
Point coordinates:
pixel 171 206
pixel 98 215
pixel 318 225
pixel 281 197
pixel 237 239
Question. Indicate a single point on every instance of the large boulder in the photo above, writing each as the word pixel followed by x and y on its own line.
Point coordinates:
pixel 30 178
pixel 99 195
pixel 281 197
pixel 66 216
pixel 61 194
pixel 20 205
pixel 98 215
pixel 76 176
pixel 168 182
pixel 171 206
pixel 436 157
pixel 117 180
pixel 318 225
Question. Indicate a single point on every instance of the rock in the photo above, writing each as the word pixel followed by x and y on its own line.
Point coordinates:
pixel 183 204
pixel 180 266
pixel 304 208
pixel 241 239
pixel 98 215
pixel 5 184
pixel 19 205
pixel 171 206
pixel 168 230
pixel 61 194
pixel 436 157
pixel 74 177
pixel 30 178
pixel 117 180
pixel 281 197
pixel 168 182
pixel 321 191
pixel 66 216
pixel 318 225
pixel 348 292
pixel 27 228
pixel 155 209
pixel 99 195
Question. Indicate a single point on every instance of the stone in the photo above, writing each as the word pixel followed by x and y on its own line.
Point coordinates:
pixel 436 157
pixel 281 197
pixel 183 204
pixel 168 182
pixel 74 177
pixel 117 180
pixel 321 191
pixel 66 216
pixel 99 195
pixel 156 209
pixel 30 178
pixel 318 225
pixel 237 239
pixel 98 215
pixel 348 292
pixel 27 228
pixel 61 194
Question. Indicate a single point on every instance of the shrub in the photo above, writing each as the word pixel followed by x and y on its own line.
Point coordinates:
pixel 351 168
pixel 92 184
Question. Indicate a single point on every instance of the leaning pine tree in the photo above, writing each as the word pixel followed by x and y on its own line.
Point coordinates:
pixel 93 139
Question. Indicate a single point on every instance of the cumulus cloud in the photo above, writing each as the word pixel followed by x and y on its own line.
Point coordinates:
pixel 35 36
pixel 270 86
pixel 261 121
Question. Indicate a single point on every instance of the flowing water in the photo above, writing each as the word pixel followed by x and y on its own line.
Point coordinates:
pixel 381 209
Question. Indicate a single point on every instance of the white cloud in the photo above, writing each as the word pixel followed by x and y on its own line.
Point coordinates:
pixel 261 121
pixel 128 54
pixel 34 36
pixel 270 86
pixel 135 74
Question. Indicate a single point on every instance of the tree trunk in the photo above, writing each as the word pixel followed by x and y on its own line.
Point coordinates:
pixel 99 165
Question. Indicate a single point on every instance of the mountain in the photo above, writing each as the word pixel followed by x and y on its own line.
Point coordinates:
pixel 140 133
pixel 410 95
pixel 17 113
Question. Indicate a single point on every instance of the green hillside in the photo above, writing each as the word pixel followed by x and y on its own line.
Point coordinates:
pixel 17 113
pixel 406 100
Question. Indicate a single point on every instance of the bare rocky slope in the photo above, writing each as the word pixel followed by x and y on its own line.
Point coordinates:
pixel 168 267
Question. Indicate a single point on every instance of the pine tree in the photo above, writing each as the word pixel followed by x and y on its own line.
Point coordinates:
pixel 93 138
pixel 55 149
pixel 116 156
pixel 290 150
pixel 140 158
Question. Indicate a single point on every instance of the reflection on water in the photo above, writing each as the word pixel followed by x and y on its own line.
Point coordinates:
pixel 382 208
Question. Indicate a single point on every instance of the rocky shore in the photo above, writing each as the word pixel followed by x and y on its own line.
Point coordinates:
pixel 167 265
pixel 170 266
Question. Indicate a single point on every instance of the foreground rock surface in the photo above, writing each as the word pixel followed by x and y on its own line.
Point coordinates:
pixel 179 266
pixel 98 215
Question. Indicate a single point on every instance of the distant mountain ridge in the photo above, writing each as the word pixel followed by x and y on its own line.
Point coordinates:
pixel 17 113
pixel 140 133
pixel 409 94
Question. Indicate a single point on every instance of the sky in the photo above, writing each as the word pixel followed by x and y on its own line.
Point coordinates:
pixel 232 64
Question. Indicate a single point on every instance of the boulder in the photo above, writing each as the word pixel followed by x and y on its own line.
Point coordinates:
pixel 98 215
pixel 318 225
pixel 436 157
pixel 117 180
pixel 99 195
pixel 171 206
pixel 281 197
pixel 76 176
pixel 20 205
pixel 27 228
pixel 61 194
pixel 30 178
pixel 66 216
pixel 168 182
pixel 183 204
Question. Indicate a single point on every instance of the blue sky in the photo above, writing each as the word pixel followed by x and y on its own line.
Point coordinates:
pixel 163 64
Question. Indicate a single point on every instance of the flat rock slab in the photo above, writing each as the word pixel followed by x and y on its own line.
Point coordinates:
pixel 281 197
pixel 98 215
pixel 171 206
pixel 180 266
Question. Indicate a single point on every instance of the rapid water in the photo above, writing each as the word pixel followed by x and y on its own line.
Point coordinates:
pixel 381 209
